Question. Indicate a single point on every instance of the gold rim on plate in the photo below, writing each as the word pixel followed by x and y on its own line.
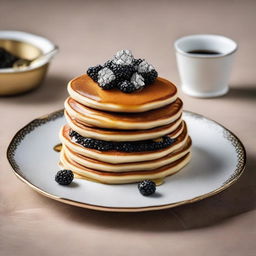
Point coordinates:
pixel 19 136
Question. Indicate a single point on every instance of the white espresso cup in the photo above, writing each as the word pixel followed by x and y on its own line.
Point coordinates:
pixel 204 64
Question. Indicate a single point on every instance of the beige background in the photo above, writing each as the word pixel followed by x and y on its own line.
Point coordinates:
pixel 89 32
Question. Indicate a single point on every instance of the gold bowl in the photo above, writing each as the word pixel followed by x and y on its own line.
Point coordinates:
pixel 26 46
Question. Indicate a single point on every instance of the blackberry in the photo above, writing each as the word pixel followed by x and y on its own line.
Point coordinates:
pixel 145 67
pixel 149 77
pixel 147 187
pixel 125 72
pixel 106 78
pixel 123 68
pixel 127 87
pixel 108 64
pixel 122 72
pixel 123 57
pixel 93 72
pixel 137 80
pixel 64 177
pixel 108 86
pixel 136 63
pixel 6 58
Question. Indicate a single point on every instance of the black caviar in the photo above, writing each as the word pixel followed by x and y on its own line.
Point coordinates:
pixel 132 146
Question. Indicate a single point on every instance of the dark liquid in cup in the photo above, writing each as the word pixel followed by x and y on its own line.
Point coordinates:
pixel 204 52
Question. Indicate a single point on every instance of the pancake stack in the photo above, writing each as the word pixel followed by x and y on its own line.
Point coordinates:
pixel 114 137
pixel 124 124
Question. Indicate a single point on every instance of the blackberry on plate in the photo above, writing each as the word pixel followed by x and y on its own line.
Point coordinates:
pixel 147 187
pixel 93 72
pixel 127 87
pixel 64 177
pixel 149 77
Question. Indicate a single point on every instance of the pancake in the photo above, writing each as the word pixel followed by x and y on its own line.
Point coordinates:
pixel 87 92
pixel 121 135
pixel 122 157
pixel 124 177
pixel 126 121
pixel 124 167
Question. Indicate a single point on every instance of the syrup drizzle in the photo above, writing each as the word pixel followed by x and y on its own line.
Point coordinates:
pixel 57 147
pixel 159 181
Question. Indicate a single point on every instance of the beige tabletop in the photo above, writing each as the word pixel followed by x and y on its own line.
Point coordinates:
pixel 88 33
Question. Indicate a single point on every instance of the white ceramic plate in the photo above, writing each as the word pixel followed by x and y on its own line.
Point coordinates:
pixel 218 159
